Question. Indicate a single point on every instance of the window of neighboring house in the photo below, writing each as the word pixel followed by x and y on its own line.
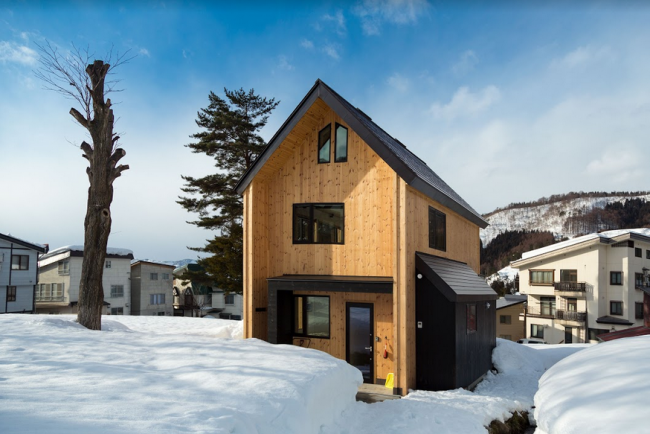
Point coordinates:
pixel 315 223
pixel 647 254
pixel 616 278
pixel 572 304
pixel 107 264
pixel 153 276
pixel 189 299
pixel 505 319
pixel 157 299
pixel 547 305
pixel 117 311
pixel 230 299
pixel 638 310
pixel 161 313
pixel 11 293
pixel 437 230
pixel 312 316
pixel 537 331
pixel 340 144
pixel 471 318
pixel 324 144
pixel 638 279
pixel 117 291
pixel 64 268
pixel 593 333
pixel 541 277
pixel 568 275
pixel 20 262
pixel 165 276
pixel 638 252
pixel 508 337
pixel 616 308
pixel 57 290
pixel 44 292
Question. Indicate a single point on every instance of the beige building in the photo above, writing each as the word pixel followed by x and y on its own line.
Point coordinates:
pixel 510 317
pixel 580 288
pixel 151 288
pixel 59 276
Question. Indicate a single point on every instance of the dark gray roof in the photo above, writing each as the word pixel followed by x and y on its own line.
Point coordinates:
pixel 510 300
pixel 407 165
pixel 455 280
pixel 612 320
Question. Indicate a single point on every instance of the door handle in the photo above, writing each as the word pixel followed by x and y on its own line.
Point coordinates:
pixel 369 348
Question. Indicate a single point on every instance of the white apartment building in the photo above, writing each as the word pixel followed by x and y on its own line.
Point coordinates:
pixel 18 274
pixel 60 276
pixel 580 288
pixel 151 288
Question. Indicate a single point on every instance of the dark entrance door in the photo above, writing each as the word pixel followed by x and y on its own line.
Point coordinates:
pixel 568 335
pixel 360 338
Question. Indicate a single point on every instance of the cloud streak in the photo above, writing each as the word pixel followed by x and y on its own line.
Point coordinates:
pixel 374 13
pixel 465 103
pixel 10 52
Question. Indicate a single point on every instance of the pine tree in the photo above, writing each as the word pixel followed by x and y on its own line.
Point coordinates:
pixel 230 135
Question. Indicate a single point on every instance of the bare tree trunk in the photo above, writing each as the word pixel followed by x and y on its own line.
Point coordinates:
pixel 101 174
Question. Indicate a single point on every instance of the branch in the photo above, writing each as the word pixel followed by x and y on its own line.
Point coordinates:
pixel 117 156
pixel 79 118
pixel 88 151
pixel 117 172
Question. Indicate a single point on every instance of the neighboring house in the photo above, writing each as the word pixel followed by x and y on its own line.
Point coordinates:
pixel 510 317
pixel 355 247
pixel 151 288
pixel 641 330
pixel 60 276
pixel 18 274
pixel 580 288
pixel 227 306
pixel 190 298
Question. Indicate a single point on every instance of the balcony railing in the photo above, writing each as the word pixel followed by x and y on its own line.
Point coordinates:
pixel 50 298
pixel 570 286
pixel 569 315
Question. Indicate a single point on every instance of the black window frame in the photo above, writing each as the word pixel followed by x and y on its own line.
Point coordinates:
pixel 434 220
pixel 612 281
pixel 505 319
pixel 638 279
pixel 540 331
pixel 23 260
pixel 229 299
pixel 320 145
pixel 638 252
pixel 647 254
pixel 310 232
pixel 11 293
pixel 305 333
pixel 638 310
pixel 472 326
pixel 570 273
pixel 613 311
pixel 347 143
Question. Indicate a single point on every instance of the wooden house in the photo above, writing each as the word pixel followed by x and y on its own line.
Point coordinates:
pixel 339 220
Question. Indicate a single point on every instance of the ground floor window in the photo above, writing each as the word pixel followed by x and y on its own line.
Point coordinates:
pixel 537 331
pixel 311 316
pixel 117 311
pixel 157 299
pixel 11 293
pixel 471 318
pixel 593 333
pixel 508 337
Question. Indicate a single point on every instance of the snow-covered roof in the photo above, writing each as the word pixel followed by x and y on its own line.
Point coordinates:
pixel 509 300
pixel 80 248
pixel 605 236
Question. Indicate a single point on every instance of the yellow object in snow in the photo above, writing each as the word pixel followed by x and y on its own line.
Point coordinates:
pixel 389 380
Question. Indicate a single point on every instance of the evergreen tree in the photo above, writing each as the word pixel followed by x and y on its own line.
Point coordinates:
pixel 230 135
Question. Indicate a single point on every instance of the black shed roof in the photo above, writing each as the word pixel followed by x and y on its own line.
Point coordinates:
pixel 407 165
pixel 455 280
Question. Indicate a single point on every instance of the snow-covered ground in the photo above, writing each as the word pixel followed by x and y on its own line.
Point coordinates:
pixel 175 375
pixel 603 389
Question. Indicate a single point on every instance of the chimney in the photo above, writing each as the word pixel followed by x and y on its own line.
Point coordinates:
pixel 47 247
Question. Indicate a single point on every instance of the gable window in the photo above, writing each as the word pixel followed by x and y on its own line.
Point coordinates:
pixel 568 275
pixel 11 293
pixel 638 252
pixel 324 144
pixel 117 291
pixel 107 264
pixel 537 331
pixel 542 277
pixel 64 268
pixel 638 310
pixel 616 308
pixel 20 262
pixel 638 279
pixel 153 276
pixel 311 316
pixel 318 223
pixel 437 230
pixel 471 318
pixel 340 144
pixel 229 299
pixel 616 278
pixel 505 319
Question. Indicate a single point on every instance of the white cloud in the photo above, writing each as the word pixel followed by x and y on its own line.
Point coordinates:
pixel 306 43
pixel 338 21
pixel 15 53
pixel 144 52
pixel 619 165
pixel 399 82
pixel 466 103
pixel 332 51
pixel 283 63
pixel 373 13
pixel 583 55
pixel 467 61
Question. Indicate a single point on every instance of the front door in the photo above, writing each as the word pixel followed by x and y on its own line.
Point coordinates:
pixel 568 335
pixel 360 338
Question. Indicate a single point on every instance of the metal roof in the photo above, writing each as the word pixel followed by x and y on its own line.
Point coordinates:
pixel 613 320
pixel 455 280
pixel 511 300
pixel 407 165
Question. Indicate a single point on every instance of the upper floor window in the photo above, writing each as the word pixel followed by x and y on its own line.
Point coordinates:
pixel 638 252
pixel 341 144
pixel 541 277
pixel 64 268
pixel 324 144
pixel 647 254
pixel 437 230
pixel 616 308
pixel 547 306
pixel 616 278
pixel 568 275
pixel 107 264
pixel 638 279
pixel 156 298
pixel 153 276
pixel 505 319
pixel 638 310
pixel 20 262
pixel 165 276
pixel 318 223
pixel 117 291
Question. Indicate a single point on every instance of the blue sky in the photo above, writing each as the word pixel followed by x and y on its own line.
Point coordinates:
pixel 507 102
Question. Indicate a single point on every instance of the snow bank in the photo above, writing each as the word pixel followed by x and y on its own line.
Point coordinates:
pixel 162 375
pixel 600 389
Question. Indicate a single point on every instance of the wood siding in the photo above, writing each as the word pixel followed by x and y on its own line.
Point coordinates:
pixel 516 328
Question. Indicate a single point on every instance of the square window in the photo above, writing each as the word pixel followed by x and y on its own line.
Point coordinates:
pixel 20 262
pixel 505 319
pixel 11 293
pixel 165 276
pixel 616 278
pixel 638 310
pixel 117 291
pixel 64 268
pixel 117 311
pixel 312 316
pixel 638 252
pixel 616 308
pixel 324 144
pixel 471 318
pixel 318 223
pixel 341 144
pixel 537 331
pixel 153 276
pixel 568 275
pixel 437 230
pixel 229 299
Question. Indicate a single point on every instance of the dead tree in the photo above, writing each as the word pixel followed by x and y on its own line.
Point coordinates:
pixel 76 77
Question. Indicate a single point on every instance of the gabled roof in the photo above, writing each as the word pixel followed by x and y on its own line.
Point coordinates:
pixel 407 165
pixel 455 280
pixel 33 246
pixel 511 300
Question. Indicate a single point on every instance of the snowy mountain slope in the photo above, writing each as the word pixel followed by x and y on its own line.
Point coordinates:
pixel 547 217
